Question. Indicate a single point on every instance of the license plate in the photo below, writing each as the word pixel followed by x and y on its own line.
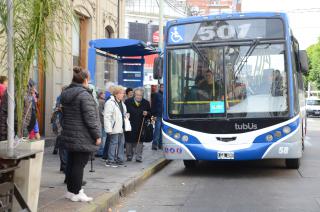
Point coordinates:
pixel 225 155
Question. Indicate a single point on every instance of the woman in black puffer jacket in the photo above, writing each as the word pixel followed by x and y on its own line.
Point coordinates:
pixel 81 131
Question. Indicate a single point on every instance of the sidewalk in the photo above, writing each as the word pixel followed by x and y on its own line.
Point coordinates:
pixel 106 185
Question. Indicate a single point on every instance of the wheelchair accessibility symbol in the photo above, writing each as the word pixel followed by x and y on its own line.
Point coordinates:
pixel 175 36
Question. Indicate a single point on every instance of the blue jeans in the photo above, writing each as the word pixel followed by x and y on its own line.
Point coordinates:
pixel 106 147
pixel 101 146
pixel 157 136
pixel 116 148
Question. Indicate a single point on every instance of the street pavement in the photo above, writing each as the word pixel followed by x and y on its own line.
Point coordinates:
pixel 252 186
pixel 106 184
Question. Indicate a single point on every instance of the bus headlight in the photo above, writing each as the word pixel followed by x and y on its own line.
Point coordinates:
pixel 286 130
pixel 177 136
pixel 185 138
pixel 170 131
pixel 269 137
pixel 277 134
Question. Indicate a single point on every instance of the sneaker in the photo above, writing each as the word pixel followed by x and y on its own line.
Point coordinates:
pixel 84 195
pixel 120 163
pixel 68 195
pixel 129 159
pixel 81 197
pixel 139 161
pixel 108 163
pixel 114 165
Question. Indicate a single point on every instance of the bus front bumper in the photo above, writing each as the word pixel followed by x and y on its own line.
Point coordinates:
pixel 174 150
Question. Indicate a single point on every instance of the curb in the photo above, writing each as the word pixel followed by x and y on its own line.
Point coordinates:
pixel 108 200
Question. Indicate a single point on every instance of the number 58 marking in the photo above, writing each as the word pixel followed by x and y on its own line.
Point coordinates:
pixel 283 150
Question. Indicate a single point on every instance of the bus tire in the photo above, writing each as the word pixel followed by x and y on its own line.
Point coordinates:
pixel 190 164
pixel 293 163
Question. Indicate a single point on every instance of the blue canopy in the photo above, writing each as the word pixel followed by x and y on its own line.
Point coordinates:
pixel 123 47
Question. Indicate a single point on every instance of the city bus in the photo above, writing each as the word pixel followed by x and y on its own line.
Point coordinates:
pixel 233 89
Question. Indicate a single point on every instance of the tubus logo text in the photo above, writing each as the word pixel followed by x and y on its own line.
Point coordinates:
pixel 243 126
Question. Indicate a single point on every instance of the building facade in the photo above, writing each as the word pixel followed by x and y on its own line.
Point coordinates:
pixel 142 23
pixel 207 7
pixel 142 17
pixel 94 19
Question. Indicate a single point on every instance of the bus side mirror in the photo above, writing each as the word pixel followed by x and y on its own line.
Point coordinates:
pixel 304 63
pixel 158 67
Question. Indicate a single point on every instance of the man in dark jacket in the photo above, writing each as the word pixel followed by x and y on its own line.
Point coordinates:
pixel 156 111
pixel 81 131
pixel 139 110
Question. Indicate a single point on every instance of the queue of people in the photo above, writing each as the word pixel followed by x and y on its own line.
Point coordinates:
pixel 113 125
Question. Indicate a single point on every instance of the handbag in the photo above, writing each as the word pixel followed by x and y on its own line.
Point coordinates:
pixel 147 132
pixel 127 125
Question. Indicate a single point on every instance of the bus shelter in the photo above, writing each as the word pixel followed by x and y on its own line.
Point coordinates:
pixel 128 53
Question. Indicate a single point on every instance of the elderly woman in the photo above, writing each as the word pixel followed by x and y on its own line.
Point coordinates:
pixel 138 108
pixel 114 114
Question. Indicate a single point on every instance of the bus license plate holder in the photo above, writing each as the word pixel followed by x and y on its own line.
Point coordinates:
pixel 225 155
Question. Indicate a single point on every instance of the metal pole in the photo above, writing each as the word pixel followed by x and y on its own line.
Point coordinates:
pixel 118 20
pixel 160 44
pixel 10 58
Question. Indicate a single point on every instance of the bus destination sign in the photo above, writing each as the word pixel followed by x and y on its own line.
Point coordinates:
pixel 226 30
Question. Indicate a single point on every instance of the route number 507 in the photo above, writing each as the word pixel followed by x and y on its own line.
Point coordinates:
pixel 206 33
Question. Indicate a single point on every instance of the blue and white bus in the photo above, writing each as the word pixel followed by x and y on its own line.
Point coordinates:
pixel 233 89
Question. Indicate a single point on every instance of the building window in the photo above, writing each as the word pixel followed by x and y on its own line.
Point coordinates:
pixel 109 64
pixel 80 40
pixel 109 32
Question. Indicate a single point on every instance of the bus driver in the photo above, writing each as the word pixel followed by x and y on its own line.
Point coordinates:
pixel 205 87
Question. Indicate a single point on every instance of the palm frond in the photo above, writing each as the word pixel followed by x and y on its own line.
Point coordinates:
pixel 33 34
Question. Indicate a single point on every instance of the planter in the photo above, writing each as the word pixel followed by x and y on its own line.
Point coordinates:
pixel 28 176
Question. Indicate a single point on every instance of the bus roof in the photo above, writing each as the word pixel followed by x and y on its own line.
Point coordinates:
pixel 226 16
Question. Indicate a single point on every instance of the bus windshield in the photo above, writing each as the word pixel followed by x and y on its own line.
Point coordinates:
pixel 227 81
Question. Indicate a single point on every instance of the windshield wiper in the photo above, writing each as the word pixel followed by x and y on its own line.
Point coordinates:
pixel 247 55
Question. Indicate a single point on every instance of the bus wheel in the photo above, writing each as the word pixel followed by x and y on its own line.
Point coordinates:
pixel 190 164
pixel 293 163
